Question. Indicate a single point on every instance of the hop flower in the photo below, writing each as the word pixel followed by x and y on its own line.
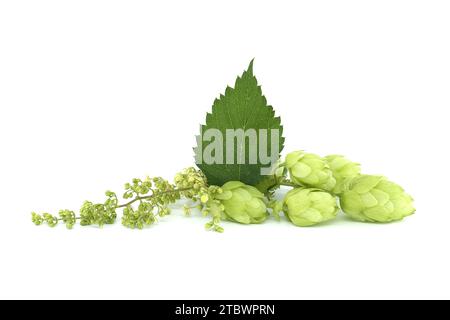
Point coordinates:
pixel 68 217
pixel 310 170
pixel 242 203
pixel 376 199
pixel 343 171
pixel 306 207
pixel 36 218
pixel 51 220
pixel 193 180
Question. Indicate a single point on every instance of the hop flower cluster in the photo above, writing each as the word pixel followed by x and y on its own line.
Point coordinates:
pixel 192 183
pixel 90 214
pixel 143 216
pixel 153 196
pixel 321 183
pixel 148 199
pixel 66 216
pixel 99 213
pixel 319 186
pixel 211 206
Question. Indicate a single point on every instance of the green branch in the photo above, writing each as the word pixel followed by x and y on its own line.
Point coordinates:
pixel 154 195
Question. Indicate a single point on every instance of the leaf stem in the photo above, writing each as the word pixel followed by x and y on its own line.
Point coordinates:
pixel 76 218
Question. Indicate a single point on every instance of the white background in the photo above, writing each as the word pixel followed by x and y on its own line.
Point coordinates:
pixel 94 93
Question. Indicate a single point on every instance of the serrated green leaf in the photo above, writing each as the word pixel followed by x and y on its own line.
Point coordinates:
pixel 242 107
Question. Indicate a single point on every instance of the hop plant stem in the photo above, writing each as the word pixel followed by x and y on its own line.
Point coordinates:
pixel 139 198
pixel 153 197
pixel 288 183
pixel 128 204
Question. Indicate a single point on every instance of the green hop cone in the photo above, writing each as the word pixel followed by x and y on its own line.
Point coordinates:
pixel 305 207
pixel 310 170
pixel 343 171
pixel 242 203
pixel 376 199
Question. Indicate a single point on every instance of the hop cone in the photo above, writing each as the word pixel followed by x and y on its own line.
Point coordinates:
pixel 310 170
pixel 242 203
pixel 376 199
pixel 343 171
pixel 306 207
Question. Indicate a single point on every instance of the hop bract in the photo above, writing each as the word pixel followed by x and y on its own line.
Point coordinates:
pixel 306 207
pixel 376 199
pixel 310 170
pixel 343 171
pixel 242 203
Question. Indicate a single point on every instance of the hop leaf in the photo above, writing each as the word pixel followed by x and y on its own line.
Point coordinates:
pixel 376 199
pixel 242 107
